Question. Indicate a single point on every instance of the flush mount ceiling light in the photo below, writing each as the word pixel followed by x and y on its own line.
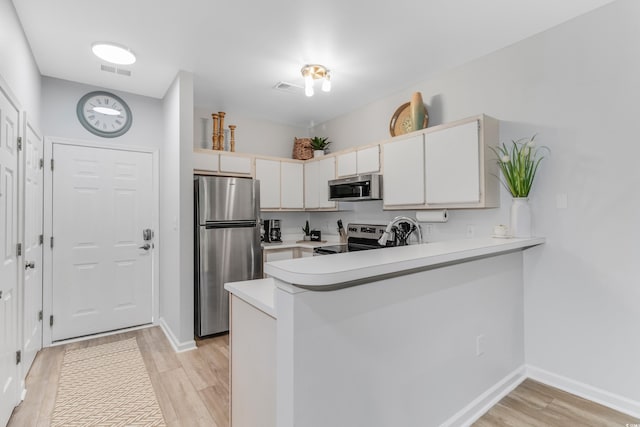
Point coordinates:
pixel 113 53
pixel 312 72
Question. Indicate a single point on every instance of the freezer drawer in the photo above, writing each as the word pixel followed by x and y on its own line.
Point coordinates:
pixel 225 255
pixel 226 199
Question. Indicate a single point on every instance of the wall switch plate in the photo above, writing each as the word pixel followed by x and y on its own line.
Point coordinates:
pixel 479 345
pixel 428 229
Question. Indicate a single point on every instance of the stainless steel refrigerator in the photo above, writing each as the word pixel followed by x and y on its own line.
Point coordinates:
pixel 227 245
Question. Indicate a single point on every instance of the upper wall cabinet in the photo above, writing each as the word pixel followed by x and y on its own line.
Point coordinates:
pixel 446 166
pixel 361 160
pixel 223 163
pixel 317 174
pixel 281 184
pixel 206 161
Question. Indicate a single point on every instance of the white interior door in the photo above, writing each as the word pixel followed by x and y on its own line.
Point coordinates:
pixel 32 301
pixel 9 383
pixel 102 275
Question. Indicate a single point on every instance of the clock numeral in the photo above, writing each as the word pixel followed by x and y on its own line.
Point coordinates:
pixel 91 117
pixel 118 122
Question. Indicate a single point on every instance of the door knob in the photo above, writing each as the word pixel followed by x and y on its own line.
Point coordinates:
pixel 30 264
pixel 146 247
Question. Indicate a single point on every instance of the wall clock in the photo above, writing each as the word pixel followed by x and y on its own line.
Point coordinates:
pixel 104 114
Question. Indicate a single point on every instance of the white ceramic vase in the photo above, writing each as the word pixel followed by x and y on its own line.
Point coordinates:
pixel 318 153
pixel 520 217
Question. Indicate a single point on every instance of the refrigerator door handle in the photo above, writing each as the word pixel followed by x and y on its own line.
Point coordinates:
pixel 230 224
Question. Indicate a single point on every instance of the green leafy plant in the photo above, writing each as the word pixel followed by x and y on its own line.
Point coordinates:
pixel 519 163
pixel 319 143
pixel 306 229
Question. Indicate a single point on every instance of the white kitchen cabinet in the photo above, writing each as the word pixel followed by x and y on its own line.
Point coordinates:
pixel 317 174
pixel 235 164
pixel 452 168
pixel 311 196
pixel 347 164
pixel 291 185
pixel 368 159
pixel 403 182
pixel 452 165
pixel 281 184
pixel 206 161
pixel 268 173
pixel 365 160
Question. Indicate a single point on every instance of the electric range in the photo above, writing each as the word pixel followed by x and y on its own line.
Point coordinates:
pixel 360 237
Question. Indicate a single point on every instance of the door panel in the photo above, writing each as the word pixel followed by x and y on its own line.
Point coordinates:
pixel 9 391
pixel 101 203
pixel 32 331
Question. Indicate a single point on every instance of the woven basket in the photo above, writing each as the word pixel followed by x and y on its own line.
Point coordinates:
pixel 302 149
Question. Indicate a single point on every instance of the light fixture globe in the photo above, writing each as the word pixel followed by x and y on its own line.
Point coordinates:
pixel 114 53
pixel 312 72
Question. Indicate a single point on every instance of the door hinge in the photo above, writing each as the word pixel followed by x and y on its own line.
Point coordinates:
pixel 20 143
pixel 19 249
pixel 41 163
pixel 40 315
pixel 18 357
pixel 41 239
pixel 51 242
pixel 51 320
pixel 51 164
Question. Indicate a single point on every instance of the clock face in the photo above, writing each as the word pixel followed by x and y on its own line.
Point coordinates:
pixel 104 114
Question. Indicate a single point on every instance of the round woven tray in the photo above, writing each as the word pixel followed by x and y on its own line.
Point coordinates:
pixel 401 120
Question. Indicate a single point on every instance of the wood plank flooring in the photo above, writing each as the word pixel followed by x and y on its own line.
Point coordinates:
pixel 193 389
pixel 538 405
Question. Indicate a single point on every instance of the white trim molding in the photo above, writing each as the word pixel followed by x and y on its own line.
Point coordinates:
pixel 480 405
pixel 594 394
pixel 178 346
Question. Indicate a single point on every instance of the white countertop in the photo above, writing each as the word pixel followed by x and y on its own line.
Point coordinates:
pixel 289 244
pixel 259 293
pixel 330 270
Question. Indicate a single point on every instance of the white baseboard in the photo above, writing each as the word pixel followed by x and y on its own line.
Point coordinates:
pixel 474 410
pixel 594 394
pixel 178 346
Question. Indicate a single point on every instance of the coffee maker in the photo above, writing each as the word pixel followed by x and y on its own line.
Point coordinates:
pixel 272 232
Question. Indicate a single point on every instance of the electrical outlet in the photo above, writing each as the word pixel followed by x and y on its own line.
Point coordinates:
pixel 471 230
pixel 479 345
pixel 428 229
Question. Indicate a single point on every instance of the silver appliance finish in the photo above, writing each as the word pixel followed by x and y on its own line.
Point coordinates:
pixel 227 244
pixel 356 188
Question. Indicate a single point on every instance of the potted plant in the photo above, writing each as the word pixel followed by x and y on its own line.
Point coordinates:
pixel 519 163
pixel 319 144
pixel 307 231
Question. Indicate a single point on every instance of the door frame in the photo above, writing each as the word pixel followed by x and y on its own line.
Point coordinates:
pixel 47 272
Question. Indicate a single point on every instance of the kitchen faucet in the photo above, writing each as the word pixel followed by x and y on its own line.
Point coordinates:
pixel 401 232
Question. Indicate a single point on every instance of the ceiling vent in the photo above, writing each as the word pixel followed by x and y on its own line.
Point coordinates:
pixel 115 70
pixel 289 87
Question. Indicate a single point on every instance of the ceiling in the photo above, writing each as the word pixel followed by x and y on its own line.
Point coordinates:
pixel 238 50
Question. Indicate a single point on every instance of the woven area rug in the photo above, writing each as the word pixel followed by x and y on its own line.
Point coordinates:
pixel 106 385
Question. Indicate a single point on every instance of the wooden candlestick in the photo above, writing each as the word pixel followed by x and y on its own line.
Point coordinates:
pixel 214 137
pixel 232 144
pixel 221 134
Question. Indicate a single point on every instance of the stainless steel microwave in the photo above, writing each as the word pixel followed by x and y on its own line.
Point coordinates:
pixel 356 188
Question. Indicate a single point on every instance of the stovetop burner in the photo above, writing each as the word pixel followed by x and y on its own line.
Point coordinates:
pixel 360 237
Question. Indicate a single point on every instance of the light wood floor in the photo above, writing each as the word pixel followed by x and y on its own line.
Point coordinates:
pixel 536 404
pixel 193 389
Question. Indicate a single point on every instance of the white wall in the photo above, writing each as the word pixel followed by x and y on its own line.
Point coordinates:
pixel 576 86
pixel 176 213
pixel 60 99
pixel 252 136
pixel 17 66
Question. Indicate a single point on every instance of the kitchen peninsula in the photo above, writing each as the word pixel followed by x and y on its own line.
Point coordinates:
pixel 424 334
